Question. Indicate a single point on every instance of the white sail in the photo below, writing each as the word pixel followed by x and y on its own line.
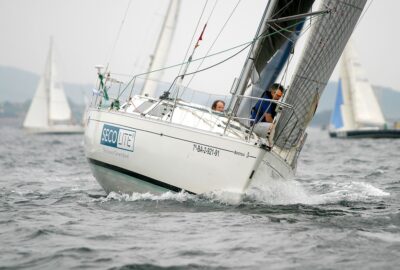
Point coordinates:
pixel 37 116
pixel 365 107
pixel 162 48
pixel 59 109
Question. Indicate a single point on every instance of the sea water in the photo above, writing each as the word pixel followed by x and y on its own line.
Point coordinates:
pixel 342 211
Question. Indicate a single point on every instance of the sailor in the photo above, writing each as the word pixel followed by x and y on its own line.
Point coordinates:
pixel 218 106
pixel 264 112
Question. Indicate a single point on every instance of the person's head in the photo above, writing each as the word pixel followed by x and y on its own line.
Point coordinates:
pixel 218 106
pixel 276 91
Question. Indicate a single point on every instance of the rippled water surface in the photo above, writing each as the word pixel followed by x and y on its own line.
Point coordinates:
pixel 342 211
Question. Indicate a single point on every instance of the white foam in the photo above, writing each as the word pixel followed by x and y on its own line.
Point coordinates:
pixel 224 197
pixel 279 191
pixel 274 192
pixel 181 197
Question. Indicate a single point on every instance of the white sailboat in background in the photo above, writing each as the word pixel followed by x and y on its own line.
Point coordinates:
pixel 49 111
pixel 357 113
pixel 161 49
pixel 155 144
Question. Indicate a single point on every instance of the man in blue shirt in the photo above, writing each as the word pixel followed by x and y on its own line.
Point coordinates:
pixel 264 110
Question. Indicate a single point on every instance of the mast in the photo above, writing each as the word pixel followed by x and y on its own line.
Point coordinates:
pixel 255 48
pixel 49 79
pixel 59 110
pixel 161 50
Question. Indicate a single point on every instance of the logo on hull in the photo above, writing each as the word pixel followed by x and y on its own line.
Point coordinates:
pixel 118 137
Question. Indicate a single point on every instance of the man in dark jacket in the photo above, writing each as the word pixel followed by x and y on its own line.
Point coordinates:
pixel 264 110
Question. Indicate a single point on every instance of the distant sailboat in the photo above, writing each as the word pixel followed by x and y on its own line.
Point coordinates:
pixel 49 111
pixel 161 49
pixel 357 113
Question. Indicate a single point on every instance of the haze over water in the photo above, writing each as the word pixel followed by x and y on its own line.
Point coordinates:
pixel 342 211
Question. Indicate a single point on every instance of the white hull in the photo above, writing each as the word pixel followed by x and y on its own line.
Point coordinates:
pixel 166 156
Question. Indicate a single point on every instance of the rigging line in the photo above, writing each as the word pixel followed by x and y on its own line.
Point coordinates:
pixel 246 44
pixel 194 34
pixel 212 11
pixel 365 11
pixel 215 41
pixel 166 93
pixel 282 9
pixel 177 65
pixel 214 54
pixel 209 67
pixel 153 31
pixel 118 34
pixel 283 30
pixel 310 17
pixel 195 47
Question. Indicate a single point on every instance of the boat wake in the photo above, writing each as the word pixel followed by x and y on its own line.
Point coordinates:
pixel 277 192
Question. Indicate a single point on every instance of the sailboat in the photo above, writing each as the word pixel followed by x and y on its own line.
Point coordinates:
pixel 157 144
pixel 357 113
pixel 49 111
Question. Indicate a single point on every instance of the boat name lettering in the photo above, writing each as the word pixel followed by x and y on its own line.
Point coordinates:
pixel 118 137
pixel 239 153
pixel 205 150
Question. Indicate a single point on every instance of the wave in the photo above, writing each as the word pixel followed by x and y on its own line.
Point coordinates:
pixel 351 191
pixel 172 267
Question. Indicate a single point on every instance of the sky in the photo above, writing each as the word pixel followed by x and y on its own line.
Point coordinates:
pixel 90 32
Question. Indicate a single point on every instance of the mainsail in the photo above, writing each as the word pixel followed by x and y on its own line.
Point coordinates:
pixel 162 47
pixel 326 41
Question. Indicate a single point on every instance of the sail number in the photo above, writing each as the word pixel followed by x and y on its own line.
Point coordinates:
pixel 205 150
pixel 118 137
